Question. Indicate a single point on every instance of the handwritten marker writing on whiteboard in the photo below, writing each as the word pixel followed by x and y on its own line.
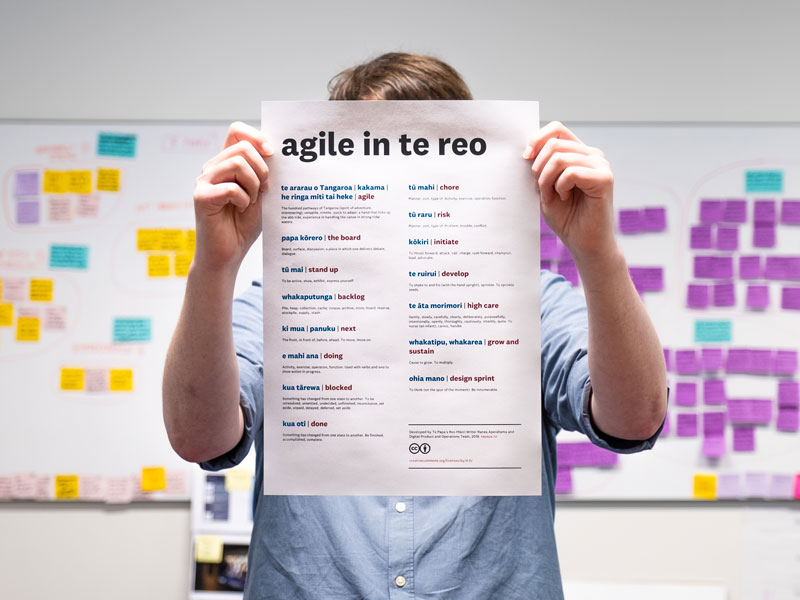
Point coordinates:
pixel 66 487
pixel 208 549
pixel 704 487
pixel 154 479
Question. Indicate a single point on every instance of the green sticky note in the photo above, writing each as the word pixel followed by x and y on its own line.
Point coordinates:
pixel 132 330
pixel 713 331
pixel 116 144
pixel 69 257
pixel 764 181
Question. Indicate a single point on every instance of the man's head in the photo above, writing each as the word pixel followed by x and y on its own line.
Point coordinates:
pixel 399 76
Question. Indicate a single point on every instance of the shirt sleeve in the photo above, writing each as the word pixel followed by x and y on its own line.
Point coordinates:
pixel 248 340
pixel 566 386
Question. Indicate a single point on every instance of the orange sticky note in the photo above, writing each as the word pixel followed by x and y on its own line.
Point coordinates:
pixel 55 182
pixel 28 329
pixel 41 290
pixel 182 262
pixel 66 487
pixel 80 182
pixel 121 380
pixel 208 549
pixel 108 180
pixel 238 480
pixel 158 265
pixel 154 479
pixel 6 314
pixel 72 379
pixel 705 487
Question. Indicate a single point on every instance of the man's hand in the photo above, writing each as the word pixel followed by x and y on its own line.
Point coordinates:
pixel 576 188
pixel 227 198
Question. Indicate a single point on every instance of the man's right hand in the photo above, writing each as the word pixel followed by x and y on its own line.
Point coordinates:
pixel 227 199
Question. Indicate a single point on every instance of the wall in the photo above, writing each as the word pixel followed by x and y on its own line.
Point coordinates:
pixel 198 59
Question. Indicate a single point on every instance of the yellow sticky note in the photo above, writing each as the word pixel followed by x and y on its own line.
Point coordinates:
pixel 238 480
pixel 121 380
pixel 66 487
pixel 191 240
pixel 80 182
pixel 107 180
pixel 182 262
pixel 28 329
pixel 705 487
pixel 154 479
pixel 6 314
pixel 158 265
pixel 72 379
pixel 172 240
pixel 147 239
pixel 55 182
pixel 208 549
pixel 41 290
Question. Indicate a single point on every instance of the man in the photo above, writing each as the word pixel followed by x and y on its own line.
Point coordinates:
pixel 413 547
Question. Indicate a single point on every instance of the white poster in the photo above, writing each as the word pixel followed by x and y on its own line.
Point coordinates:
pixel 401 299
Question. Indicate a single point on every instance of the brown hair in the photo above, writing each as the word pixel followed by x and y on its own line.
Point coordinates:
pixel 399 76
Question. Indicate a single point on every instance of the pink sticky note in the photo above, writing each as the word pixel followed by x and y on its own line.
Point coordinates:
pixel 757 297
pixel 686 393
pixel 548 246
pixel 756 485
pixel 744 438
pixel 564 480
pixel 714 391
pixel 788 393
pixel 788 419
pixel 28 212
pixel 59 210
pixel 119 490
pixel 15 289
pixel 764 235
pixel 784 362
pixel 714 446
pixel 177 483
pixel 797 486
pixel 93 488
pixel 5 487
pixel 96 380
pixel 713 423
pixel 569 271
pixel 764 211
pixel 781 487
pixel 700 237
pixel 750 267
pixel 728 486
pixel 45 488
pixel 23 486
pixel 630 221
pixel 734 210
pixel 88 207
pixel 724 294
pixel 654 219
pixel 711 211
pixel 698 295
pixel 686 362
pixel 712 359
pixel 55 317
pixel 29 311
pixel 687 425
pixel 727 238
pixel 790 212
pixel 790 298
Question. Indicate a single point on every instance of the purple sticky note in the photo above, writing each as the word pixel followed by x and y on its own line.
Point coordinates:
pixel 630 221
pixel 686 393
pixel 782 267
pixel 744 438
pixel 712 359
pixel 722 267
pixel 728 486
pixel 714 446
pixel 687 425
pixel 686 362
pixel 27 212
pixel 568 269
pixel 703 267
pixel 788 394
pixel 584 454
pixel 735 210
pixel 654 219
pixel 763 235
pixel 790 298
pixel 784 362
pixel 790 212
pixel 698 295
pixel 548 246
pixel 26 183
pixel 788 419
pixel 711 211
pixel 757 297
pixel 738 360
pixel 700 237
pixel 764 211
pixel 713 423
pixel 724 294
pixel 761 362
pixel 727 238
pixel 714 391
pixel 564 480
pixel 749 411
pixel 647 279
pixel 750 267
pixel 756 485
pixel 781 486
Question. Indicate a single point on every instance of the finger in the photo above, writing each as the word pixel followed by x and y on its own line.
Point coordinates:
pixel 559 162
pixel 250 154
pixel 554 129
pixel 238 132
pixel 593 182
pixel 237 170
pixel 213 197
pixel 554 145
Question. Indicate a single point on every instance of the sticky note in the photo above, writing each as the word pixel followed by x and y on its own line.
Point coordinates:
pixel 713 423
pixel 26 183
pixel 548 247
pixel 132 329
pixel 66 487
pixel 784 362
pixel 69 257
pixel 158 265
pixel 119 490
pixel 28 329
pixel 563 480
pixel 29 311
pixel 712 359
pixel 55 182
pixel 724 295
pixel 764 211
pixel 148 239
pixel 750 267
pixel 55 318
pixel 756 485
pixel 764 235
pixel 630 221
pixel 788 419
pixel 734 210
pixel 172 240
pixel 23 486
pixel 41 290
pixel 88 206
pixel 6 314
pixel 788 393
pixel 711 211
pixel 93 488
pixel 686 393
pixel 698 295
pixel 153 479
pixel 686 425
pixel 700 237
pixel 744 438
pixel 59 210
pixel 686 362
pixel 80 182
pixel 763 181
pixel 713 446
pixel 208 549
pixel 647 279
pixel 781 486
pixel 757 297
pixel 72 379
pixel 728 486
pixel 121 380
pixel 177 482
pixel 797 486
pixel 714 392
pixel 116 144
pixel 108 180
pixel 191 241
pixel 238 480
pixel 654 219
pixel 790 212
pixel 96 380
pixel 790 298
pixel 722 267
pixel 738 360
pixel 28 212
pixel 727 238
pixel 704 487
pixel 713 331
pixel 749 411
pixel 584 454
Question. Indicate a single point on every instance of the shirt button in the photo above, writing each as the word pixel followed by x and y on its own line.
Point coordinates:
pixel 400 581
pixel 400 507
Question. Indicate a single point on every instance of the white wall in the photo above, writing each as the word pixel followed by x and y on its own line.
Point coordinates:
pixel 584 60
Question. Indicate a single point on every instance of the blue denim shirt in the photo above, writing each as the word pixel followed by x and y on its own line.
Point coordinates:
pixel 356 547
